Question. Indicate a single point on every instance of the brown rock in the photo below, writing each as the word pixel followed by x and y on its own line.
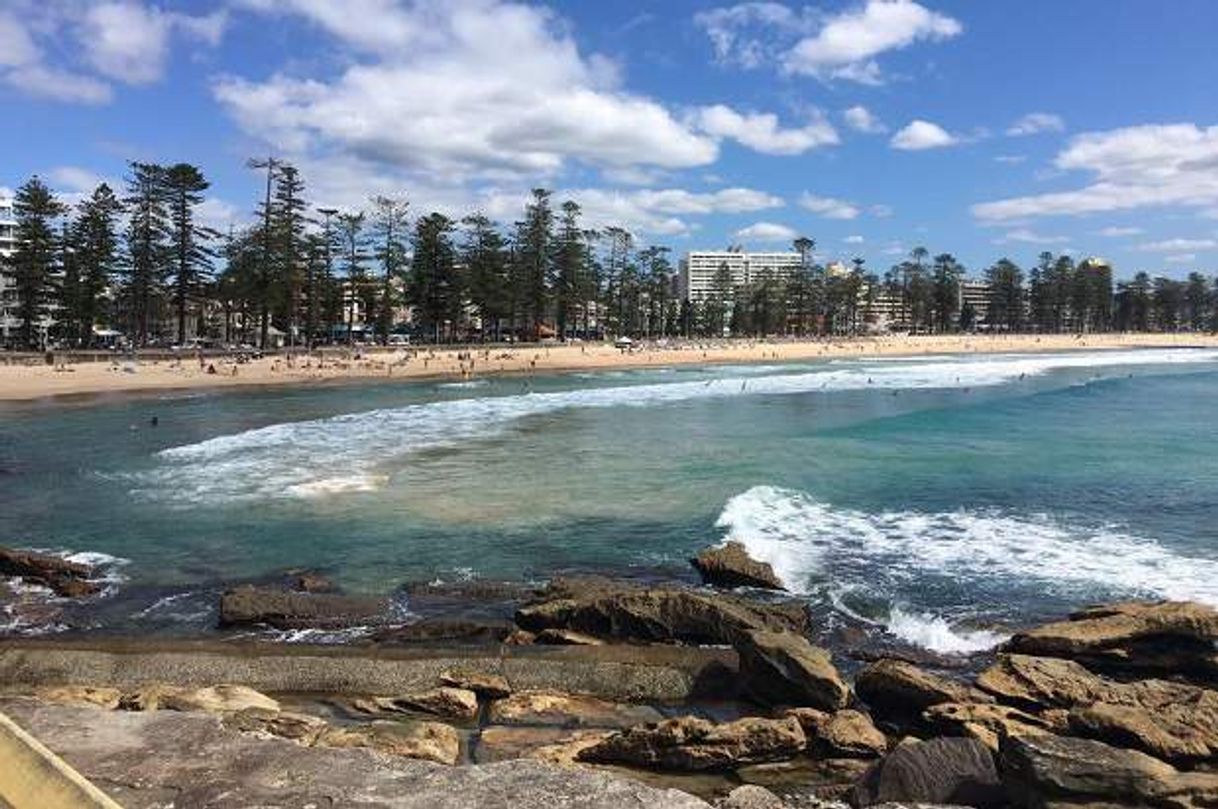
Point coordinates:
pixel 567 710
pixel 430 741
pixel 1047 770
pixel 446 630
pixel 447 702
pixel 731 566
pixel 149 697
pixel 689 743
pixel 566 637
pixel 309 581
pixel 1179 732
pixel 900 691
pixel 519 637
pixel 298 727
pixel 1097 629
pixel 844 734
pixel 784 668
pixel 64 578
pixel 107 698
pixel 953 771
pixel 556 745
pixel 1036 683
pixel 487 686
pixel 247 606
pixel 662 614
pixel 987 723
pixel 751 796
pixel 217 699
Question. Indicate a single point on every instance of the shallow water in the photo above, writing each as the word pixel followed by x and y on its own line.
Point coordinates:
pixel 939 499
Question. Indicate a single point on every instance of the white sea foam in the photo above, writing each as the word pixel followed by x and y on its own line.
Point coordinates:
pixel 338 485
pixel 935 633
pixel 807 541
pixel 276 461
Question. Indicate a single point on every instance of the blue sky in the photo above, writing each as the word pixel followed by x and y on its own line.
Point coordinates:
pixel 986 129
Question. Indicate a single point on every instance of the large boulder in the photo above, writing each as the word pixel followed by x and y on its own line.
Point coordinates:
pixel 751 796
pixel 1100 629
pixel 281 609
pixel 218 699
pixel 64 578
pixel 691 744
pixel 1047 770
pixel 988 723
pixel 1179 732
pixel 101 697
pixel 844 734
pixel 655 614
pixel 783 668
pixel 900 692
pixel 1037 683
pixel 731 566
pixel 951 771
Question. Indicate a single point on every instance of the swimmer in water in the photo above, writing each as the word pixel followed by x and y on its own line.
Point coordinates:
pixel 154 421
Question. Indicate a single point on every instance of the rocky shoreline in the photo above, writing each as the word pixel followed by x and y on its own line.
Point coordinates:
pixel 1115 705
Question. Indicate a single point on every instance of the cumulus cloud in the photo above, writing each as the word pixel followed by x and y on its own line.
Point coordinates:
pixel 761 132
pixel 1181 258
pixel 766 232
pixel 860 119
pixel 848 43
pixel 844 45
pixel 1036 122
pixel 1151 165
pixel 854 240
pixel 828 207
pixel 1115 232
pixel 472 89
pixel 89 43
pixel 918 135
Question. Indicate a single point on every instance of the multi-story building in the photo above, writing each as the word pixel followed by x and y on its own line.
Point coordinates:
pixel 8 292
pixel 696 280
pixel 977 295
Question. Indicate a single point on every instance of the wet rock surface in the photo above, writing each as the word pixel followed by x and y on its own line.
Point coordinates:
pixel 66 579
pixel 785 668
pixel 283 609
pixel 567 710
pixel 954 771
pixel 731 566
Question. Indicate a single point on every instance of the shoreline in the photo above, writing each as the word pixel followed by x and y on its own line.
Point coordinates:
pixel 93 381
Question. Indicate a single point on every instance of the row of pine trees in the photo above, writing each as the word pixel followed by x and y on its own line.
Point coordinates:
pixel 144 264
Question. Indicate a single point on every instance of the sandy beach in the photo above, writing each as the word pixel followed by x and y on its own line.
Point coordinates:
pixel 24 382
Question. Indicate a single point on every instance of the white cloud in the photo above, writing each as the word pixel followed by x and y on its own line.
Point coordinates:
pixel 847 44
pixel 1116 232
pixel 744 34
pixel 1026 236
pixel 1010 158
pixel 880 211
pixel 219 215
pixel 766 232
pixel 854 240
pixel 1181 258
pixel 643 211
pixel 127 41
pixel 810 42
pixel 75 179
pixel 829 207
pixel 1036 122
pixel 761 132
pixel 861 119
pixel 461 91
pixel 1177 245
pixel 918 135
pixel 1134 167
pixel 58 85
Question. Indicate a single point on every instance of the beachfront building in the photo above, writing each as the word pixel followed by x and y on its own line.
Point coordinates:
pixel 696 280
pixel 8 291
pixel 975 294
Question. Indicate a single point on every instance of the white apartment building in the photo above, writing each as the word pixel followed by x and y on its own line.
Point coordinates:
pixel 696 279
pixel 8 293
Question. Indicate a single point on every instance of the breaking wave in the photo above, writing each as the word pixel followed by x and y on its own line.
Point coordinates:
pixel 899 557
pixel 301 458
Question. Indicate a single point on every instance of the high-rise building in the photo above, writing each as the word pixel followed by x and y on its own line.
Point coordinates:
pixel 8 292
pixel 696 280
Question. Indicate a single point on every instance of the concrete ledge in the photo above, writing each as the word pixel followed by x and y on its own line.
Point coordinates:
pixel 640 673
pixel 35 778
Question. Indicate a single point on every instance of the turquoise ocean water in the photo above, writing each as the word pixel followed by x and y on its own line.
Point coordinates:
pixel 937 500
